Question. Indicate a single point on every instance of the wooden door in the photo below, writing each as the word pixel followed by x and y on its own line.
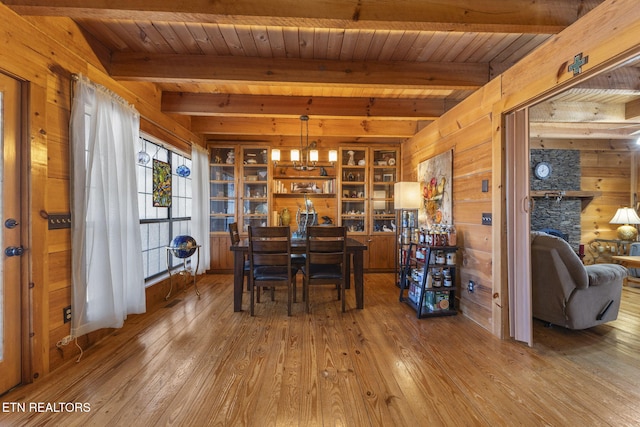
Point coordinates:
pixel 382 249
pixel 518 226
pixel 10 280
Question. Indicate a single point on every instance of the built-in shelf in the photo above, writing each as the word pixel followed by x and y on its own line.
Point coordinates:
pixel 298 195
pixel 585 196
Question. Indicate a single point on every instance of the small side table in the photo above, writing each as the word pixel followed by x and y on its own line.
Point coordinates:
pixel 185 270
pixel 629 262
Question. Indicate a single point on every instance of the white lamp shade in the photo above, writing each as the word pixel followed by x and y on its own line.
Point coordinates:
pixel 406 195
pixel 625 216
pixel 313 155
pixel 275 155
pixel 295 155
pixel 333 155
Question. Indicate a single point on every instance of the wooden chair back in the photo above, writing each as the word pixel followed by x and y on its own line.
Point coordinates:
pixel 326 245
pixel 326 259
pixel 270 260
pixel 233 233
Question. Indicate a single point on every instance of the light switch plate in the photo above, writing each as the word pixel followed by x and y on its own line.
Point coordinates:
pixel 486 218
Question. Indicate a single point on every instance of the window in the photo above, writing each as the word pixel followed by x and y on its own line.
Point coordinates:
pixel 158 226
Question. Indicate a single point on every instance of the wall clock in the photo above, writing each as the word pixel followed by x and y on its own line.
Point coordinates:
pixel 542 170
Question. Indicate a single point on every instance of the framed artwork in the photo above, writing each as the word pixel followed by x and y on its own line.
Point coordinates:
pixel 161 184
pixel 435 176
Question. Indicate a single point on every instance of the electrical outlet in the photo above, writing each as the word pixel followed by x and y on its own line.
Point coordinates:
pixel 66 314
pixel 471 287
pixel 487 218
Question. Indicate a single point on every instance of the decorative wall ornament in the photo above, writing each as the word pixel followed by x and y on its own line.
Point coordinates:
pixel 183 171
pixel 161 184
pixel 578 62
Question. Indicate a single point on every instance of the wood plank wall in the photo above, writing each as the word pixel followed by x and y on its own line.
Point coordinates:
pixel 607 172
pixel 46 65
pixel 467 129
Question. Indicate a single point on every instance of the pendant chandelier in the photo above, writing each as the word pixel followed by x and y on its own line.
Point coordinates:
pixel 306 157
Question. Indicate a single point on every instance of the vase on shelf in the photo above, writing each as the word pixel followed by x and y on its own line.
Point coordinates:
pixel 351 161
pixel 285 216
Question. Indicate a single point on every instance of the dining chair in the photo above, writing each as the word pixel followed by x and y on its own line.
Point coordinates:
pixel 235 239
pixel 326 260
pixel 270 262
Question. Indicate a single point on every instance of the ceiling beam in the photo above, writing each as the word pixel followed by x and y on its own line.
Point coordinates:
pixel 621 79
pixel 578 111
pixel 632 110
pixel 513 16
pixel 583 130
pixel 624 145
pixel 167 68
pixel 280 141
pixel 264 126
pixel 212 104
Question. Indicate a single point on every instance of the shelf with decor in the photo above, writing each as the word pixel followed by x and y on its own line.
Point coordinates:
pixel 383 174
pixel 304 184
pixel 309 185
pixel 429 287
pixel 255 188
pixel 353 189
pixel 222 188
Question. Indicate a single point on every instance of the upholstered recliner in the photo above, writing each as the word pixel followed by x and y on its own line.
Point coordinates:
pixel 568 293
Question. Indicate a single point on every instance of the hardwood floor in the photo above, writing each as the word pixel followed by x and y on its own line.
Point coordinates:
pixel 196 362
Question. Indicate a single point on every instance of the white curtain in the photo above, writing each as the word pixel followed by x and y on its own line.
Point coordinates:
pixel 200 203
pixel 107 269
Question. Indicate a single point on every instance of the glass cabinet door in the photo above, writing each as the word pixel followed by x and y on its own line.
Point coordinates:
pixel 255 188
pixel 222 188
pixel 383 177
pixel 353 189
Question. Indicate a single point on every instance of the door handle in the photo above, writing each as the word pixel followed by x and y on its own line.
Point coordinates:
pixel 11 223
pixel 14 251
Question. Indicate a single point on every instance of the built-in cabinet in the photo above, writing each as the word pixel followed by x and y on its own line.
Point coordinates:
pixel 356 192
pixel 222 188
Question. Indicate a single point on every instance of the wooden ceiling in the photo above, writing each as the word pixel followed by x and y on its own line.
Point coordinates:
pixel 363 70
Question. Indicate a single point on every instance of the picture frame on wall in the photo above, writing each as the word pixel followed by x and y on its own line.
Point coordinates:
pixel 435 177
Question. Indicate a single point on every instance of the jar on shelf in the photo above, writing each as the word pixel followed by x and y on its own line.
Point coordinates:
pixel 440 258
pixel 451 258
pixel 437 279
pixel 453 239
pixel 447 280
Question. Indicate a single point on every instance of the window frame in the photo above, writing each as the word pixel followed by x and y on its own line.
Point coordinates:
pixel 177 217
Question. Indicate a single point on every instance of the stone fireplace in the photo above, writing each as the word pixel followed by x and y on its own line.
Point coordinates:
pixel 554 210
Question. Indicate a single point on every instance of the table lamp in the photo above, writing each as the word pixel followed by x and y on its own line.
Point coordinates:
pixel 628 218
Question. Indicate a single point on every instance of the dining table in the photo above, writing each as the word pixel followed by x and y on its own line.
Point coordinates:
pixel 355 251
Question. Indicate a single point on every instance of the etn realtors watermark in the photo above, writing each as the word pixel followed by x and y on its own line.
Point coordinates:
pixel 54 407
